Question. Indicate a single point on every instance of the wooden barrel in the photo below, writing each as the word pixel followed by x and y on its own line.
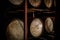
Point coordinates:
pixel 49 25
pixel 48 3
pixel 16 2
pixel 35 3
pixel 15 30
pixel 36 27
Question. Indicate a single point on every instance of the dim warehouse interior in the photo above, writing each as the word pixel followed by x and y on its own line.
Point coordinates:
pixel 28 20
pixel 45 34
pixel 9 19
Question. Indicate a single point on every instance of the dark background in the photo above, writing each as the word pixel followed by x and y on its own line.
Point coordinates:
pixel 42 15
pixel 7 14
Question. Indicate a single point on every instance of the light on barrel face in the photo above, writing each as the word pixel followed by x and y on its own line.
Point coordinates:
pixel 49 25
pixel 36 27
pixel 48 3
pixel 35 3
pixel 16 2
pixel 15 30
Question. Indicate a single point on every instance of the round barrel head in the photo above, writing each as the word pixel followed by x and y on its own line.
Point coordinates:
pixel 15 30
pixel 16 2
pixel 49 25
pixel 35 3
pixel 48 3
pixel 36 27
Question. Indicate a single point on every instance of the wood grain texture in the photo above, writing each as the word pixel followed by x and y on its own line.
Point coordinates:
pixel 49 25
pixel 15 30
pixel 48 3
pixel 16 2
pixel 35 3
pixel 36 27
